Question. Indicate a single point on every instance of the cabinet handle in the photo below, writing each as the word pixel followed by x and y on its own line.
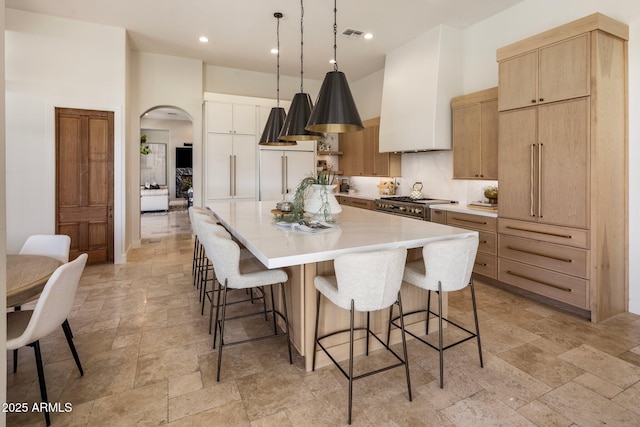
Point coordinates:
pixel 281 174
pixel 235 177
pixel 481 264
pixel 286 174
pixel 531 179
pixel 483 242
pixel 568 260
pixel 552 285
pixel 540 180
pixel 541 99
pixel 230 175
pixel 470 220
pixel 533 101
pixel 564 236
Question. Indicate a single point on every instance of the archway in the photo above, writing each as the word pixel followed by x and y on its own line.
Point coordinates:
pixel 165 160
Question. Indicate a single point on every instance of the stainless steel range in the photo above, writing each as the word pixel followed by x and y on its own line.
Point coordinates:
pixel 406 206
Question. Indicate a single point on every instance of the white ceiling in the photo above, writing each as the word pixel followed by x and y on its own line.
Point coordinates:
pixel 242 32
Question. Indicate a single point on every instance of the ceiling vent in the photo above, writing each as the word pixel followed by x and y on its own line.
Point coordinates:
pixel 351 33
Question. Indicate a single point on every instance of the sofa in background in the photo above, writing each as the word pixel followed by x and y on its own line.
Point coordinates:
pixel 154 199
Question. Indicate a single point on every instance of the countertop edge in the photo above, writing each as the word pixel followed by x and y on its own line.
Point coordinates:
pixel 462 208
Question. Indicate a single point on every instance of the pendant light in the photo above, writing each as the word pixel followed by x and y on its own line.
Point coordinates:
pixel 335 109
pixel 301 106
pixel 271 133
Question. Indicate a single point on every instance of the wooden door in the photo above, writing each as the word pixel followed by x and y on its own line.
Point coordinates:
pixel 466 141
pixel 564 163
pixel 489 140
pixel 564 70
pixel 352 147
pixel 518 139
pixel 84 181
pixel 518 81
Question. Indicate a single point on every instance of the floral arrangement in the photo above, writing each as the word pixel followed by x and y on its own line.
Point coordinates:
pixel 325 177
pixel 144 149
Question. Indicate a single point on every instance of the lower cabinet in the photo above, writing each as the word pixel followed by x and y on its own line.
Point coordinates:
pixel 486 260
pixel 356 202
pixel 551 261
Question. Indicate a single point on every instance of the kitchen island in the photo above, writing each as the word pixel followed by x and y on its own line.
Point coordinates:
pixel 305 255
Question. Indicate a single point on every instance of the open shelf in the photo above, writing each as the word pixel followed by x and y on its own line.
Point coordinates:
pixel 329 153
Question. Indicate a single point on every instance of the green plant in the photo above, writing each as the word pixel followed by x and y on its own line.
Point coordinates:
pixel 144 149
pixel 301 193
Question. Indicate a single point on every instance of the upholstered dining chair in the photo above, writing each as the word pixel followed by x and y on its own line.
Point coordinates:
pixel 232 272
pixel 446 266
pixel 363 282
pixel 28 327
pixel 51 245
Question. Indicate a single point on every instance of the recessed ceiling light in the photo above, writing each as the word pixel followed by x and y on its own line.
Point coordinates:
pixel 204 39
pixel 368 36
pixel 274 50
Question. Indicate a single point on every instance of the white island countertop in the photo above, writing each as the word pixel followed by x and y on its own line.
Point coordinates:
pixel 361 230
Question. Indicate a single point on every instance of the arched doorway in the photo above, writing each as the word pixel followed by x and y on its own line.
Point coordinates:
pixel 166 134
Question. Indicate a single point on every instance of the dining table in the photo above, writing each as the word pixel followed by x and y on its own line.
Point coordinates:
pixel 26 277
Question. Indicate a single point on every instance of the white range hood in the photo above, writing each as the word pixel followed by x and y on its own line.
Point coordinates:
pixel 420 78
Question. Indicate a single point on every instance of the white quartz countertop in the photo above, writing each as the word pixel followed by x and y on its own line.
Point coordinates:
pixel 360 230
pixel 465 209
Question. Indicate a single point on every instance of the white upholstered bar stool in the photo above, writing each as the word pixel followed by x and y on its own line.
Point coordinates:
pixel 197 247
pixel 200 261
pixel 234 273
pixel 446 267
pixel 364 282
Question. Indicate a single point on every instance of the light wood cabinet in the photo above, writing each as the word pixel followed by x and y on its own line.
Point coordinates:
pixel 486 259
pixel 544 152
pixel 475 135
pixel 563 229
pixel 356 202
pixel 361 153
pixel 548 74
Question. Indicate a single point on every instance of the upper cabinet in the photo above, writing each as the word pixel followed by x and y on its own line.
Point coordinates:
pixel 475 135
pixel 552 73
pixel 420 78
pixel 361 155
pixel 231 118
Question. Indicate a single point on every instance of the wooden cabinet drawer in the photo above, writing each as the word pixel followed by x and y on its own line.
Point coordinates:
pixel 358 203
pixel 487 242
pixel 563 259
pixel 561 287
pixel 439 216
pixel 486 265
pixel 476 222
pixel 548 233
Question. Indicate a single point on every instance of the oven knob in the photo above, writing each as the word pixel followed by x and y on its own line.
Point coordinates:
pixel 402 208
pixel 418 210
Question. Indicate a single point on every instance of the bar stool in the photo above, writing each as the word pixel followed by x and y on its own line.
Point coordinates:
pixel 446 267
pixel 196 243
pixel 197 215
pixel 364 282
pixel 232 273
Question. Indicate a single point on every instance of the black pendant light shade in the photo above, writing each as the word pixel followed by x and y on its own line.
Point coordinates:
pixel 296 121
pixel 335 109
pixel 271 133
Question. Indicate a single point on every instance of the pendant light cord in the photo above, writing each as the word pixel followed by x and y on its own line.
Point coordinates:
pixel 335 35
pixel 278 64
pixel 301 46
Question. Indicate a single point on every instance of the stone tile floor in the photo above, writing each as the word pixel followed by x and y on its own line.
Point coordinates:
pixel 148 360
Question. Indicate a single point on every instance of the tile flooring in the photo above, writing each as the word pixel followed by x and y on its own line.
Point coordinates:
pixel 148 361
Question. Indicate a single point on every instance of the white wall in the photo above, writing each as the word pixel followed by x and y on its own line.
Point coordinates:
pixel 233 81
pixel 161 80
pixel 3 226
pixel 39 51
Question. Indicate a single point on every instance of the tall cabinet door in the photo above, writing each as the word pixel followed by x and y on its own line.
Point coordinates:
pixel 466 141
pixel 244 166
pixel 219 153
pixel 271 174
pixel 518 137
pixel 564 160
pixel 298 165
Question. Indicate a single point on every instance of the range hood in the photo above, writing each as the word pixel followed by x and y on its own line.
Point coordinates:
pixel 420 78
